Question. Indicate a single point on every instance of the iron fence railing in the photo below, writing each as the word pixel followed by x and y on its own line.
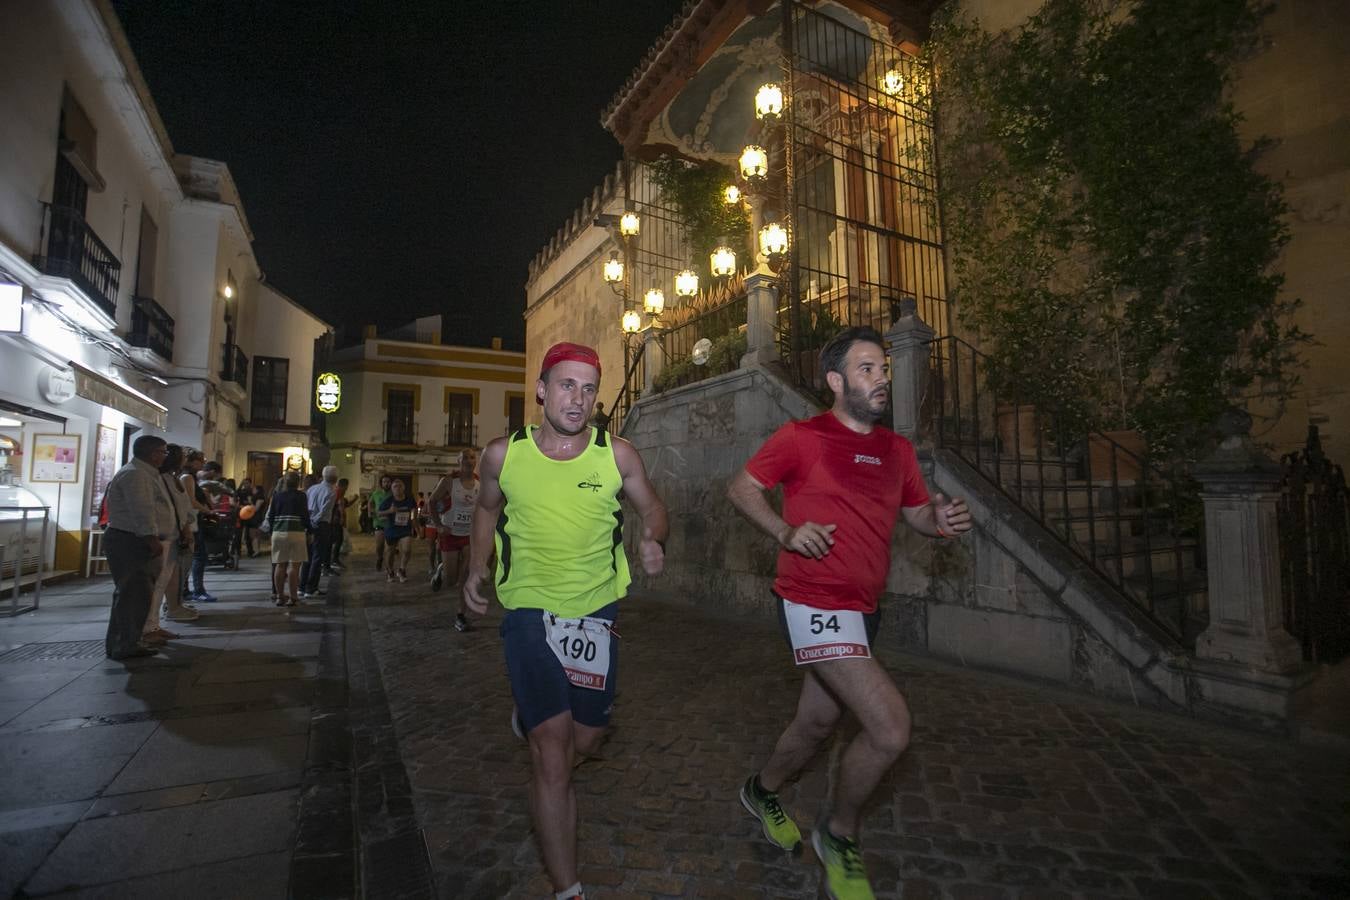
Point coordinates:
pixel 151 327
pixel 1314 517
pixel 461 434
pixel 630 391
pixel 235 365
pixel 861 188
pixel 71 249
pixel 400 432
pixel 722 324
pixel 1138 528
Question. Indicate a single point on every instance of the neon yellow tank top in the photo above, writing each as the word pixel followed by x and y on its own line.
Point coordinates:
pixel 560 535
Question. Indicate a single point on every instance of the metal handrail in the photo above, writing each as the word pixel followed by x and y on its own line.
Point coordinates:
pixel 398 434
pixel 71 249
pixel 1117 512
pixel 151 327
pixel 628 393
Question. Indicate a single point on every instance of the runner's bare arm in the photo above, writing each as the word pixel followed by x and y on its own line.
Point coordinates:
pixel 485 513
pixel 639 490
pixel 940 518
pixel 808 539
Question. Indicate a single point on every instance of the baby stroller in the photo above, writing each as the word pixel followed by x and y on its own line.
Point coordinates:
pixel 221 532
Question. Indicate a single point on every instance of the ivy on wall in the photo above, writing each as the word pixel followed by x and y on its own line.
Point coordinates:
pixel 1114 247
pixel 695 193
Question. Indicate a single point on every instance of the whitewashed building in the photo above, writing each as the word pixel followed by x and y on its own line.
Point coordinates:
pixel 130 299
pixel 410 404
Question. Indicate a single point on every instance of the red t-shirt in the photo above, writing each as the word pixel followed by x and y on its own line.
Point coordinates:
pixel 857 482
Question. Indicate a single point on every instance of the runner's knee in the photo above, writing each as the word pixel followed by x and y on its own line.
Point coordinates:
pixel 889 734
pixel 551 749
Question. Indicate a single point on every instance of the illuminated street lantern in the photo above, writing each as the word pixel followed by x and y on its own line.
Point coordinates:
pixel 686 284
pixel 632 321
pixel 723 262
pixel 893 82
pixel 768 101
pixel 629 224
pixel 328 393
pixel 613 269
pixel 754 163
pixel 773 240
pixel 731 195
pixel 654 301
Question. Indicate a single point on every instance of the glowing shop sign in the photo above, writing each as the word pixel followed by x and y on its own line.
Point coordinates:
pixel 328 393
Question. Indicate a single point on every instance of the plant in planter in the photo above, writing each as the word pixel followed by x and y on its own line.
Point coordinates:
pixel 1113 246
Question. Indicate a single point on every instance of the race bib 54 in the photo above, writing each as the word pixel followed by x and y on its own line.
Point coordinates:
pixel 820 634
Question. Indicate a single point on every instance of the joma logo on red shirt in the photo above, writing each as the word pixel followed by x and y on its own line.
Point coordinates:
pixel 870 460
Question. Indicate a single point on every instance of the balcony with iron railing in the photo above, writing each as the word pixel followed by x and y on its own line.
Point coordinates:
pixel 70 249
pixel 235 367
pixel 461 434
pixel 151 328
pixel 400 432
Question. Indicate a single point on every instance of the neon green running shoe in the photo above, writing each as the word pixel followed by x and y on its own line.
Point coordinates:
pixel 845 877
pixel 763 805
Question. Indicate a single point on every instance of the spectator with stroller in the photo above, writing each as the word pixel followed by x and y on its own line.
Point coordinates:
pixel 289 524
pixel 248 495
pixel 321 498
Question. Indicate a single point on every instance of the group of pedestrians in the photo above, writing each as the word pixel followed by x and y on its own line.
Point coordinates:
pixel 548 505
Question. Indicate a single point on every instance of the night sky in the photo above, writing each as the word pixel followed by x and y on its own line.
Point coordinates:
pixel 403 158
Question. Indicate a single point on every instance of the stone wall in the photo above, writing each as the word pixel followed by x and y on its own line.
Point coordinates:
pixel 998 599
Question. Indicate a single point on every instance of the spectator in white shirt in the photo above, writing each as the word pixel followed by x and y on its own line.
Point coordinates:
pixel 320 498
pixel 139 511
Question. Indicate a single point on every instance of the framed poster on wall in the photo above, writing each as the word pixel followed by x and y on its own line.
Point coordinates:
pixel 56 458
pixel 105 463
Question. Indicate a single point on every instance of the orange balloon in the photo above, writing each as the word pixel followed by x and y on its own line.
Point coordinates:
pixel 248 512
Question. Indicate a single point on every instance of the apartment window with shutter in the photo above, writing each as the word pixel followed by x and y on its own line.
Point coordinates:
pixel 399 409
pixel 270 383
pixel 460 426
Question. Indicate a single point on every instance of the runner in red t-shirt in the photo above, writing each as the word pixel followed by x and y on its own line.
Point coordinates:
pixel 845 479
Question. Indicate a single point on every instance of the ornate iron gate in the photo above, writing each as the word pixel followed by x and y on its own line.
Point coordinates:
pixel 861 186
pixel 1315 552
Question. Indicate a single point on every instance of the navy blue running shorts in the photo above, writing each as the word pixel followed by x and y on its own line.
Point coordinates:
pixel 540 687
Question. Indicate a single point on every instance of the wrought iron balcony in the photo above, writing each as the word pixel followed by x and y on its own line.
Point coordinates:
pixel 461 434
pixel 70 249
pixel 235 367
pixel 400 432
pixel 151 327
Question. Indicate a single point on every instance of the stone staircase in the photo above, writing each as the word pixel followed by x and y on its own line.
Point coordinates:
pixel 1126 529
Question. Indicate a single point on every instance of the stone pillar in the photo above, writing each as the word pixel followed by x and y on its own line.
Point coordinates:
pixel 908 345
pixel 1240 489
pixel 653 359
pixel 761 314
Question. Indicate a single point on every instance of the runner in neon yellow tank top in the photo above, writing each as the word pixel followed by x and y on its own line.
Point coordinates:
pixel 548 501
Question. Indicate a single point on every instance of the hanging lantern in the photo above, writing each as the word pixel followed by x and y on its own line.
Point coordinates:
pixel 686 284
pixel 768 101
pixel 731 195
pixel 654 301
pixel 893 82
pixel 613 269
pixel 629 224
pixel 632 321
pixel 754 163
pixel 773 240
pixel 723 262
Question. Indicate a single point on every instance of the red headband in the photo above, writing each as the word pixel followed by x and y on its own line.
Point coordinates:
pixel 564 352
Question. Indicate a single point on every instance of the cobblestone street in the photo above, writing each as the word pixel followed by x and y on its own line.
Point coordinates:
pixel 1010 789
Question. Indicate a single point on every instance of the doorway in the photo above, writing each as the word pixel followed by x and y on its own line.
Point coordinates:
pixel 264 469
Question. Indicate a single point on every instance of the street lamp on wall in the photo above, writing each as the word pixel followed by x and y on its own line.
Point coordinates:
pixel 769 101
pixel 773 244
pixel 632 321
pixel 754 164
pixel 654 302
pixel 686 284
pixel 722 262
pixel 629 224
pixel 893 81
pixel 731 195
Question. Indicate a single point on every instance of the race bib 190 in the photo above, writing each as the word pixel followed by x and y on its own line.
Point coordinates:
pixel 582 646
pixel 820 634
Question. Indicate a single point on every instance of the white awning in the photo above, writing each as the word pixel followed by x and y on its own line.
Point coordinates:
pixel 106 391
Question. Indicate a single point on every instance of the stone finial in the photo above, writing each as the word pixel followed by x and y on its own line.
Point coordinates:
pixel 1237 454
